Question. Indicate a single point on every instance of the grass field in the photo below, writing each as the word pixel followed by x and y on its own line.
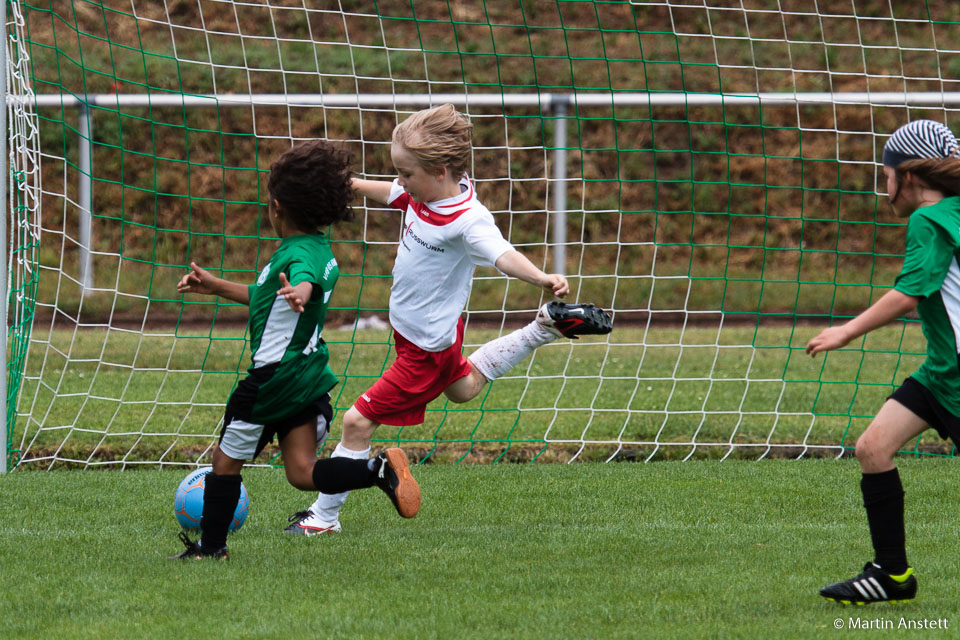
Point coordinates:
pixel 665 550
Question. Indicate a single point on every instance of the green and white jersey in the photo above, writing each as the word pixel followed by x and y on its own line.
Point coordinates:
pixel 286 347
pixel 931 273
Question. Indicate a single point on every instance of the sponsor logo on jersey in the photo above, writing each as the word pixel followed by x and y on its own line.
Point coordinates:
pixel 327 270
pixel 263 275
pixel 423 243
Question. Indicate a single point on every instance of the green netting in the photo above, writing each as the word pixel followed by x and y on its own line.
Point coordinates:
pixel 722 229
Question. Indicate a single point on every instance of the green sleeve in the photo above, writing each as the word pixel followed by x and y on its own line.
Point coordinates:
pixel 928 257
pixel 301 271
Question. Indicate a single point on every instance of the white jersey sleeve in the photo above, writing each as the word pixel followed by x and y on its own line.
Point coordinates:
pixel 395 192
pixel 482 240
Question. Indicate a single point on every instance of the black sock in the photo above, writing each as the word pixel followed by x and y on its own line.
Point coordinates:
pixel 883 499
pixel 220 497
pixel 336 475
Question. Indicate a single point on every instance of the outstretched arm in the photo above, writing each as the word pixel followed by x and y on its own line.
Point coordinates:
pixel 203 282
pixel 515 264
pixel 296 296
pixel 891 306
pixel 377 190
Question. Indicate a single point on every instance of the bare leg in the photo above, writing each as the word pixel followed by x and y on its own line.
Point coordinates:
pixel 299 448
pixel 468 387
pixel 892 427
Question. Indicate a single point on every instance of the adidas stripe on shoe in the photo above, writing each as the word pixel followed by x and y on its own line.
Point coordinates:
pixel 873 585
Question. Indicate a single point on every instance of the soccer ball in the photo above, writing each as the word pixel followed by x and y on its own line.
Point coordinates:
pixel 188 503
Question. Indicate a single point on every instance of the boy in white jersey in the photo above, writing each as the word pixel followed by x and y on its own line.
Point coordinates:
pixel 446 233
pixel 286 391
pixel 923 182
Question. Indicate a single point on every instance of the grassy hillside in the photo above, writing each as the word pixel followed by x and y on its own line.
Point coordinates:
pixel 728 194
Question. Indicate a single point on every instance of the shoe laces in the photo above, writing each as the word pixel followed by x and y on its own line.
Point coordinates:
pixel 386 476
pixel 191 546
pixel 299 515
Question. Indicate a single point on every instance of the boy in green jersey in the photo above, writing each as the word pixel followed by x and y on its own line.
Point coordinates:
pixel 922 168
pixel 286 391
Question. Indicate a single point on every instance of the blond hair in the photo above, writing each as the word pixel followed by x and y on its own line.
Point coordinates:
pixel 437 137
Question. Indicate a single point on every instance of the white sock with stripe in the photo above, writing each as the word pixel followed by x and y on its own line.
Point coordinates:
pixel 326 508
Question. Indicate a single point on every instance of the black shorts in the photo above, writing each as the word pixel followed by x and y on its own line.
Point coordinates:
pixel 237 416
pixel 918 399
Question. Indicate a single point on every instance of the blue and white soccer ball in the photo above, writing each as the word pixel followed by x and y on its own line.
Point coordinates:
pixel 188 503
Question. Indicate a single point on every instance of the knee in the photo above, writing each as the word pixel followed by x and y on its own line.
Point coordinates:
pixel 357 430
pixel 466 388
pixel 224 464
pixel 355 425
pixel 872 454
pixel 300 473
pixel 458 398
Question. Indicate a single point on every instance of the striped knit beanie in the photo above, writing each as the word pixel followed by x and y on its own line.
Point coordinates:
pixel 919 139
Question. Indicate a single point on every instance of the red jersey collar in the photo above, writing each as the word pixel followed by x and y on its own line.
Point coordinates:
pixel 445 211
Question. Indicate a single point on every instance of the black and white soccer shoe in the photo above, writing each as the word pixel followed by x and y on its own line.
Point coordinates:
pixel 194 551
pixel 306 524
pixel 873 585
pixel 572 320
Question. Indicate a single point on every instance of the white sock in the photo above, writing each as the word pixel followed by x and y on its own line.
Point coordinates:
pixel 499 356
pixel 327 506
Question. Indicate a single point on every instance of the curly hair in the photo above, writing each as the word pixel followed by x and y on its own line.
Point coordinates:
pixel 311 182
pixel 942 174
pixel 437 137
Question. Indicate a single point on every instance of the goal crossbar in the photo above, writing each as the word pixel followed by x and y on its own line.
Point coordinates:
pixel 548 100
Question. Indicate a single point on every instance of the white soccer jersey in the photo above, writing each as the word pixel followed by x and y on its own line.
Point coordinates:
pixel 441 244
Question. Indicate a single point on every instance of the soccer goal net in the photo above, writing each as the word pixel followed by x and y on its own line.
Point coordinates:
pixel 708 171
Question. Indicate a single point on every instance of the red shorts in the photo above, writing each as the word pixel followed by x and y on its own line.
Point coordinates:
pixel 400 397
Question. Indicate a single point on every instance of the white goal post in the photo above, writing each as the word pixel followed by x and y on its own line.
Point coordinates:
pixel 3 272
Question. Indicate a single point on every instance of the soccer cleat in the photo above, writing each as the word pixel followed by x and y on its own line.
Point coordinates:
pixel 873 585
pixel 195 552
pixel 304 523
pixel 394 477
pixel 572 320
